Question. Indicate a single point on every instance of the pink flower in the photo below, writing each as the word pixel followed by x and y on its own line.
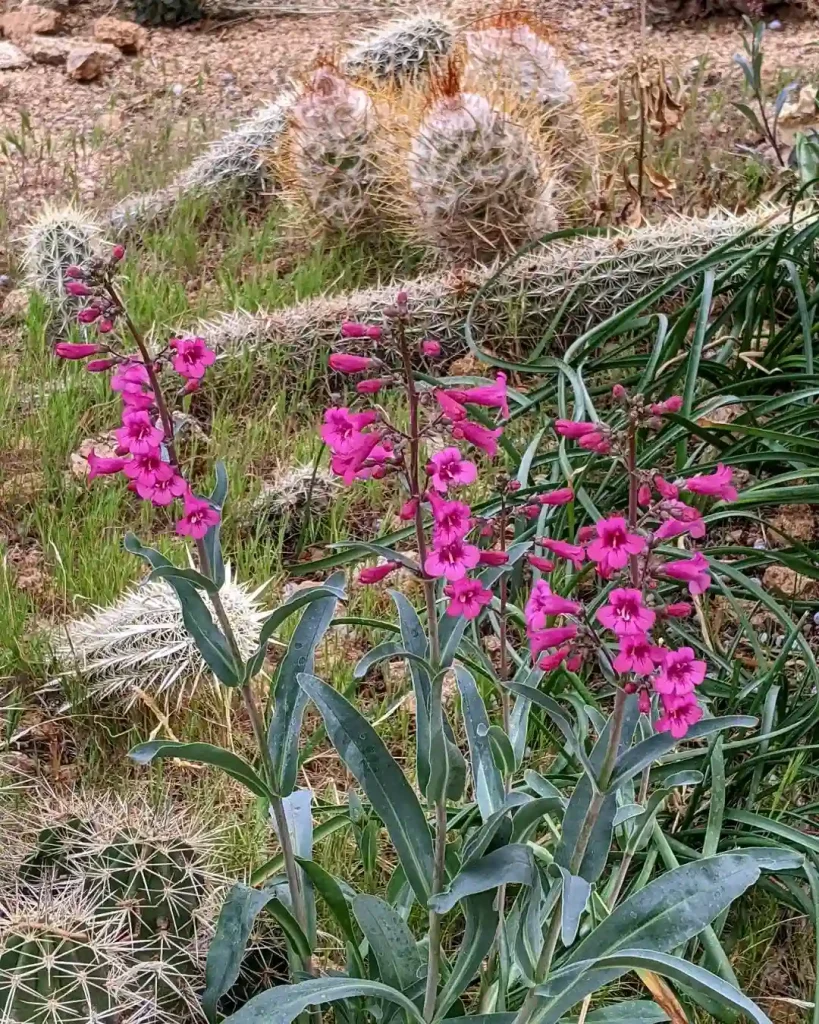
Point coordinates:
pixel 644 702
pixel 342 362
pixel 350 462
pixel 638 655
pixel 198 518
pixel 693 571
pixel 450 407
pixel 679 673
pixel 118 252
pixel 138 433
pixel 408 509
pixel 452 519
pixel 614 545
pixel 452 560
pixel 542 603
pixel 678 611
pixel 145 467
pixel 371 386
pixel 673 404
pixel 666 490
pixel 75 272
pixel 104 325
pixel 676 528
pixel 77 288
pixel 625 613
pixel 377 573
pixel 192 357
pixel 342 428
pixel 550 662
pixel 480 436
pixel 574 429
pixel 67 350
pixel 644 495
pixel 100 466
pixel 680 714
pixel 100 365
pixel 448 468
pixel 585 534
pixel 467 597
pixel 491 396
pixel 716 485
pixel 541 564
pixel 167 484
pixel 493 558
pixel 562 496
pixel 595 442
pixel 543 639
pixel 351 329
pixel 431 347
pixel 130 378
pixel 89 315
pixel 572 552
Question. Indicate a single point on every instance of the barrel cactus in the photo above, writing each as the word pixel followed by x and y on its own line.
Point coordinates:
pixel 57 238
pixel 401 50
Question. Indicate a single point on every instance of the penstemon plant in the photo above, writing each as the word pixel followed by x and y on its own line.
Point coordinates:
pixel 532 872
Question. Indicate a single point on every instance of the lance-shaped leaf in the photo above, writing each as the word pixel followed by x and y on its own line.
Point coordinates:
pixel 204 753
pixel 282 1004
pixel 481 924
pixel 386 786
pixel 391 941
pixel 488 782
pixel 329 888
pixel 288 700
pixel 630 1011
pixel 507 865
pixel 528 816
pixel 211 540
pixel 558 716
pixel 575 896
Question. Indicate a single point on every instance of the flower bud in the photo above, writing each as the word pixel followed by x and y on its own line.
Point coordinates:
pixel 408 509
pixel 431 347
pixel 191 386
pixel 75 272
pixel 351 329
pixel 541 564
pixel 618 391
pixel 77 288
pixel 401 299
pixel 105 326
pixel 376 573
pixel 118 252
pixel 644 495
pixel 513 485
pixel 100 365
pixel 654 423
pixel 391 312
pixel 67 350
pixel 681 610
pixel 493 558
pixel 376 333
pixel 89 315
pixel 630 688
pixel 342 362
pixel 371 386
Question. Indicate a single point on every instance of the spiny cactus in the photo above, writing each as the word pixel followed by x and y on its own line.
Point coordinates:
pixel 57 238
pixel 513 53
pixel 285 503
pixel 166 12
pixel 594 277
pixel 238 159
pixel 332 150
pixel 402 49
pixel 56 967
pixel 139 644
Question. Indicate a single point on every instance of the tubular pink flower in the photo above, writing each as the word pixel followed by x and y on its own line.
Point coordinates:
pixel 666 490
pixel 673 404
pixel 408 509
pixel 452 519
pixel 693 571
pixel 549 662
pixel 448 468
pixel 371 386
pixel 493 558
pixel 100 365
pixel 77 288
pixel 680 714
pixel 431 347
pixel 67 350
pixel 342 362
pixel 467 597
pixel 614 545
pixel 543 639
pixel 542 603
pixel 89 315
pixel 644 702
pixel 192 357
pixel 715 485
pixel 166 485
pixel 490 396
pixel 562 496
pixel 100 466
pixel 138 433
pixel 198 518
pixel 347 464
pixel 144 468
pixel 541 564
pixel 625 613
pixel 677 527
pixel 130 378
pixel 478 435
pixel 136 401
pixel 342 428
pixel 644 495
pixel 351 329
pixel 574 429
pixel 376 573
pixel 452 560
pixel 638 655
pixel 450 407
pixel 679 673
pixel 681 610
pixel 571 552
pixel 595 442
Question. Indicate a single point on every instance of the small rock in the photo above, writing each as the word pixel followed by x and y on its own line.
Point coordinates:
pixel 775 25
pixel 789 583
pixel 226 78
pixel 15 303
pixel 12 57
pixel 29 21
pixel 233 93
pixel 105 446
pixel 177 89
pixel 793 522
pixel 85 63
pixel 5 282
pixel 125 35
pixel 45 50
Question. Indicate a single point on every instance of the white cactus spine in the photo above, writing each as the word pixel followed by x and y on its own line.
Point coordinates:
pixel 402 49
pixel 57 238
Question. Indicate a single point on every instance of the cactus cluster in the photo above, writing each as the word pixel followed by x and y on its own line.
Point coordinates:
pixel 166 12
pixel 138 645
pixel 57 238
pixel 402 50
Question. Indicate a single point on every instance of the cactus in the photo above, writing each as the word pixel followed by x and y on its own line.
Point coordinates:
pixel 166 12
pixel 402 49
pixel 591 277
pixel 139 644
pixel 263 965
pixel 282 506
pixel 514 53
pixel 238 159
pixel 56 967
pixel 57 238
pixel 332 152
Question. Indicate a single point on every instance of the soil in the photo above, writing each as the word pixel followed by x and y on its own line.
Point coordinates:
pixel 214 72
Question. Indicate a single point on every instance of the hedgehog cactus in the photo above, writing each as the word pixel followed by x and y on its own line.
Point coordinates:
pixel 59 237
pixel 402 49
pixel 514 54
pixel 332 150
pixel 139 644
pixel 479 186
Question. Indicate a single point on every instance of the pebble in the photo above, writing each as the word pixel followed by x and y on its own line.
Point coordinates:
pixel 233 92
pixel 5 281
pixel 775 25
pixel 226 78
pixel 177 89
pixel 816 618
pixel 760 544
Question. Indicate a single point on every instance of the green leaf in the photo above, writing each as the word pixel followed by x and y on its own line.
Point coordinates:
pixel 575 896
pixel 481 924
pixel 774 859
pixel 282 1004
pixel 204 753
pixel 390 940
pixel 288 700
pixel 555 712
pixel 489 791
pixel 528 816
pixel 211 540
pixel 630 1011
pixel 508 865
pixel 227 947
pixel 502 753
pixel 276 864
pixel 415 640
pixel 329 888
pixel 387 789
pixel 291 928
pixel 173 572
pixel 760 823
